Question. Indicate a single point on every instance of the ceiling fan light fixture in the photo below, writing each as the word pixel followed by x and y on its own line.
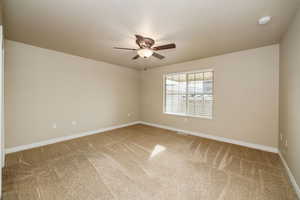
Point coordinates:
pixel 145 53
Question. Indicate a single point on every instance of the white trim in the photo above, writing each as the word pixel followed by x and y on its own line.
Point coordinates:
pixel 186 115
pixel 2 161
pixel 189 71
pixel 186 74
pixel 218 138
pixel 64 138
pixel 291 176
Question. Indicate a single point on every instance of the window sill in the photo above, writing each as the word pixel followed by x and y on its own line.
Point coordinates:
pixel 184 115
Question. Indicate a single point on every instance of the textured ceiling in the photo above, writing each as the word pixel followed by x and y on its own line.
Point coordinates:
pixel 200 28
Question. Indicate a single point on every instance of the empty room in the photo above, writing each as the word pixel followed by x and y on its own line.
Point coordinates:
pixel 150 100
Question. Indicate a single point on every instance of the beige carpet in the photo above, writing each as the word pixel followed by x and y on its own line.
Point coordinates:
pixel 143 163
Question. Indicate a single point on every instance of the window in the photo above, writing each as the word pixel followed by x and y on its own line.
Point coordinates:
pixel 189 93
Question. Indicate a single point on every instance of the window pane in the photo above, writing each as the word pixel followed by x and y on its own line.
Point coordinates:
pixel 208 87
pixel 182 84
pixel 208 105
pixel 175 93
pixel 198 103
pixel 199 83
pixel 208 75
pixel 168 84
pixel 178 104
pixel 191 105
pixel 191 83
pixel 168 104
pixel 208 82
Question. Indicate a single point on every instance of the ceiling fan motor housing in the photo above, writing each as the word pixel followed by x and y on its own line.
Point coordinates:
pixel 145 48
pixel 145 42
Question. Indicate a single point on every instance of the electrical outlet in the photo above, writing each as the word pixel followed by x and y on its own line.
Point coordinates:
pixel 54 125
pixel 74 123
pixel 286 143
pixel 129 114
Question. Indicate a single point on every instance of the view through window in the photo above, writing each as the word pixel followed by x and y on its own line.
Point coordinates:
pixel 189 93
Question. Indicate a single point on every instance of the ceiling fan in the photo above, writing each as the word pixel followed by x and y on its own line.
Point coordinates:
pixel 146 48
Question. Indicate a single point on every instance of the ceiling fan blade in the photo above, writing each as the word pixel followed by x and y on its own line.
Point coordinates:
pixel 167 46
pixel 156 55
pixel 139 37
pixel 135 57
pixel 125 48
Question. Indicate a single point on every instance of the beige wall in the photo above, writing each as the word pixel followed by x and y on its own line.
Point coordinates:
pixel 1 12
pixel 290 97
pixel 44 87
pixel 246 96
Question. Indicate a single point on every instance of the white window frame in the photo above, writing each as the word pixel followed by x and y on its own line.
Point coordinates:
pixel 189 115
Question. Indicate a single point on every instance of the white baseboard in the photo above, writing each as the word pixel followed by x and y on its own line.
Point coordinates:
pixel 291 176
pixel 218 138
pixel 64 138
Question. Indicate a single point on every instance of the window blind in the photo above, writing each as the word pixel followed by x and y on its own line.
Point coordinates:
pixel 189 93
